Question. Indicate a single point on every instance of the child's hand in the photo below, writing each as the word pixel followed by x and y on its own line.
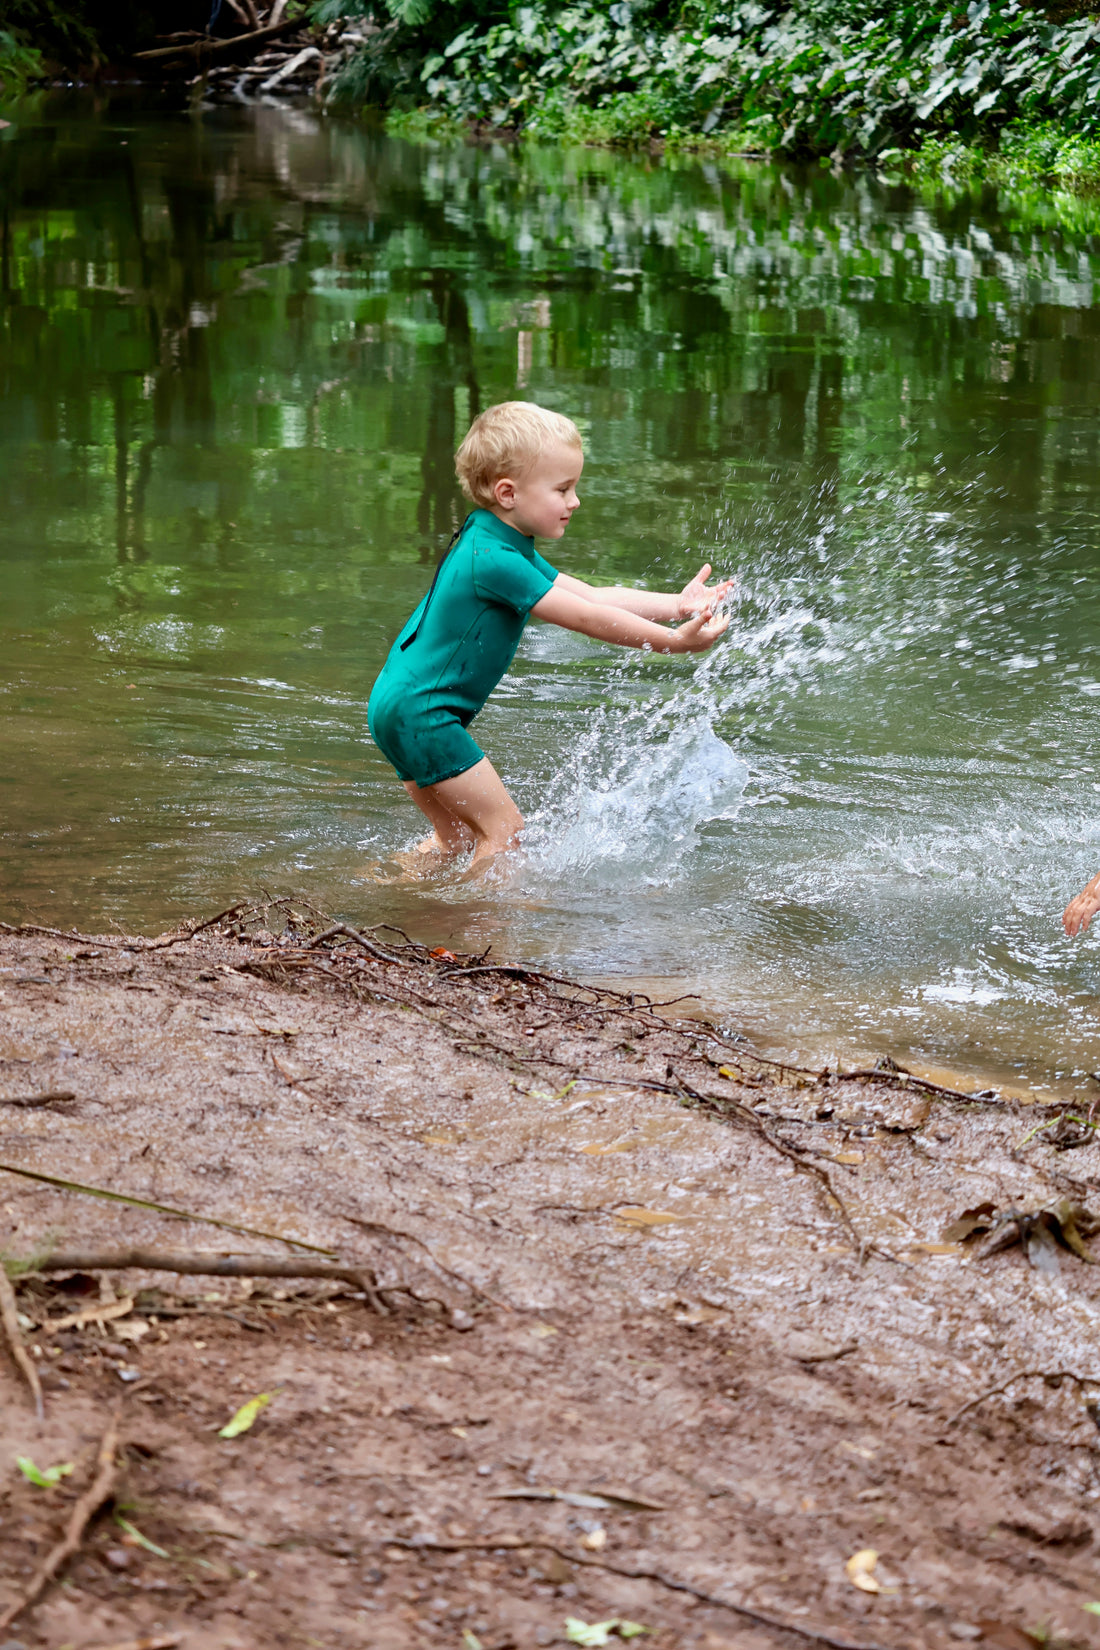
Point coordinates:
pixel 700 633
pixel 695 596
pixel 1080 911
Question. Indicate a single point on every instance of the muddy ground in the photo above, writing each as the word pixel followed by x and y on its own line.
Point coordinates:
pixel 606 1254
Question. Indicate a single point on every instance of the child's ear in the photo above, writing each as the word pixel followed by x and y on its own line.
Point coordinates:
pixel 504 493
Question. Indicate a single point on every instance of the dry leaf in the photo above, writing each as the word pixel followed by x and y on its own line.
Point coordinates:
pixel 135 1330
pixel 859 1568
pixel 847 1157
pixel 634 1216
pixel 978 1219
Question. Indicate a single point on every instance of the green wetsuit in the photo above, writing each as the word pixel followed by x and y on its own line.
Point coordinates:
pixel 455 649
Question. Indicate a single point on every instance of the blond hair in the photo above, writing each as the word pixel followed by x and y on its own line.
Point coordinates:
pixel 506 440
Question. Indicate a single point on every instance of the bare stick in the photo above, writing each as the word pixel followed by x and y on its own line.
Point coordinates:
pixel 516 1543
pixel 194 1263
pixel 89 1504
pixel 9 1318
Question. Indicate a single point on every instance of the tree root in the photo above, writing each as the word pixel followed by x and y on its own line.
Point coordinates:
pixel 9 1320
pixel 1049 1375
pixel 812 1635
pixel 89 1504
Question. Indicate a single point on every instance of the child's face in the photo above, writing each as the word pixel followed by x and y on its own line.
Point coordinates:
pixel 541 504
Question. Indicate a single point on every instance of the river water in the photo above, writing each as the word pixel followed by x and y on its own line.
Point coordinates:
pixel 237 350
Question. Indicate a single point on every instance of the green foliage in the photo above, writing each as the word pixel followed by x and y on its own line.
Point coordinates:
pixel 809 77
pixel 18 64
pixel 1026 154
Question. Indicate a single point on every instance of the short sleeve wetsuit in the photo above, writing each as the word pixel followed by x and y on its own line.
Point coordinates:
pixel 454 650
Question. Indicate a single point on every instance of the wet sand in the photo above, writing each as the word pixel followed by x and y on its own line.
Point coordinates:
pixel 618 1257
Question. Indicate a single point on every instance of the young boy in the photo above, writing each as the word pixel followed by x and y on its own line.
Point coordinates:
pixel 519 466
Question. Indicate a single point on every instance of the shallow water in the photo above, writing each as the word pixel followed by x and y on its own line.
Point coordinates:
pixel 237 350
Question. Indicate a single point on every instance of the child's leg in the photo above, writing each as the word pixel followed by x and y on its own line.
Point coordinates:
pixel 449 835
pixel 475 805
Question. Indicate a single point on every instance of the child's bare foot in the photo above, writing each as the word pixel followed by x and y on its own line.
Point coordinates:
pixel 411 865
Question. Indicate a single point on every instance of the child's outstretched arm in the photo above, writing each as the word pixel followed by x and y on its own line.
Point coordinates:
pixel 660 606
pixel 606 623
pixel 1080 911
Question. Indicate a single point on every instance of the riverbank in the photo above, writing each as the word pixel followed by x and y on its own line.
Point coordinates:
pixel 633 1324
pixel 999 94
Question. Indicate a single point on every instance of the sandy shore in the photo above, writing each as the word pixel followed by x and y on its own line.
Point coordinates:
pixel 636 1324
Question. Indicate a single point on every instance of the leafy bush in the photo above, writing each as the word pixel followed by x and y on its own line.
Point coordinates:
pixel 18 64
pixel 811 76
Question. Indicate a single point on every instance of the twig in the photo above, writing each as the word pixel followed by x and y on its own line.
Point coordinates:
pixel 160 1208
pixel 90 1502
pixel 1080 1381
pixel 813 1635
pixel 906 1080
pixel 9 1318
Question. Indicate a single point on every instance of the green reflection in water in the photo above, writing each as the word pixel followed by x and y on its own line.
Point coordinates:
pixel 237 353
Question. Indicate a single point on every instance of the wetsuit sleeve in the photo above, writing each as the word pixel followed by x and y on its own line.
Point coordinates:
pixel 508 578
pixel 545 567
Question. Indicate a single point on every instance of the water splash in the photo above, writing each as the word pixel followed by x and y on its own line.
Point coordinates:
pixel 641 815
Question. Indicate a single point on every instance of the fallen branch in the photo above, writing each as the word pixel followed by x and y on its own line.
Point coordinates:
pixel 90 1502
pixel 203 50
pixel 9 1319
pixel 813 1635
pixel 193 1263
pixel 288 70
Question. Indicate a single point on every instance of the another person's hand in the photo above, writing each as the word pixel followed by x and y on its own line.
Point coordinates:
pixel 1080 911
pixel 695 596
pixel 700 633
